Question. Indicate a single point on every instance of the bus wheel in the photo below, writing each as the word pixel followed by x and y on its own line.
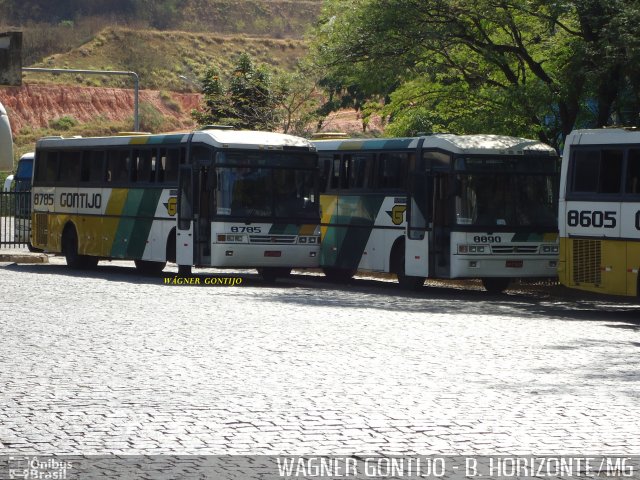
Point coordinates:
pixel 495 284
pixel 271 274
pixel 70 251
pixel 406 282
pixel 184 270
pixel 150 268
pixel 338 275
pixel 410 283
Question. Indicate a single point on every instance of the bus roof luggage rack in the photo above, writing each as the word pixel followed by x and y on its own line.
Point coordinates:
pixel 217 127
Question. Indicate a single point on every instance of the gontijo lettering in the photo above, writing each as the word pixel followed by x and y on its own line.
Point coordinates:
pixel 81 200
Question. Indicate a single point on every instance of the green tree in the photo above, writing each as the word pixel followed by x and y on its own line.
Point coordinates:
pixel 249 101
pixel 527 67
pixel 217 106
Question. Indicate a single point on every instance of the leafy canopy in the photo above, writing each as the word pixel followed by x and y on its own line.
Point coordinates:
pixel 523 67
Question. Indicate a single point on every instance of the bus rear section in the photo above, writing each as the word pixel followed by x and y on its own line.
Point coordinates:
pixel 599 211
pixel 442 206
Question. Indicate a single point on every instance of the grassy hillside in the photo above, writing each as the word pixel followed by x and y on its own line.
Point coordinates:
pixel 56 27
pixel 274 18
pixel 161 57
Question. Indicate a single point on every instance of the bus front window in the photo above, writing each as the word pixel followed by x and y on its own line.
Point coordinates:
pixel 506 199
pixel 244 191
pixel 294 193
pixel 266 192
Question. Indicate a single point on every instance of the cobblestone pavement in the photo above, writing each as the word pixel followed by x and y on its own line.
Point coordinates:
pixel 109 362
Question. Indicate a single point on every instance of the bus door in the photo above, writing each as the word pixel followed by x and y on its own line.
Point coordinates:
pixel 185 229
pixel 205 181
pixel 417 242
pixel 440 234
pixel 438 164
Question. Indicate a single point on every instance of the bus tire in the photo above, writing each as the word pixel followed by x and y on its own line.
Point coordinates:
pixel 495 284
pixel 147 267
pixel 184 270
pixel 406 282
pixel 338 275
pixel 271 274
pixel 70 251
pixel 171 247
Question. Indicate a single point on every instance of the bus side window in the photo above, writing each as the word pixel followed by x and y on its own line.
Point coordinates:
pixel 345 171
pixel 597 171
pixel 633 172
pixel 70 166
pixel 325 172
pixel 92 166
pixel 118 166
pixel 335 173
pixel 42 166
pixel 162 163
pixel 51 167
pixel 393 170
pixel 586 165
pixel 361 171
pixel 611 171
pixel 169 163
pixel 142 166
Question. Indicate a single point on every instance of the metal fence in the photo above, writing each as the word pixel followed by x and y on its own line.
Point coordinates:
pixel 15 219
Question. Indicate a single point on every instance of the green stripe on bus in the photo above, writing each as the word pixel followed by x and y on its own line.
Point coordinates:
pixel 350 241
pixel 132 233
pixel 125 225
pixel 142 227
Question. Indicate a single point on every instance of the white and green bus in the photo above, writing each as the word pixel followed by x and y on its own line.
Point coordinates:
pixel 210 198
pixel 439 206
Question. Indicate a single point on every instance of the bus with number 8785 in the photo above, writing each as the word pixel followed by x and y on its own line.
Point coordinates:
pixel 215 197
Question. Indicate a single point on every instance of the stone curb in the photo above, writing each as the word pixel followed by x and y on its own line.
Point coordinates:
pixel 23 258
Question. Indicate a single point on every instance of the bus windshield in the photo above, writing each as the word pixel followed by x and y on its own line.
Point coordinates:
pixel 266 192
pixel 527 200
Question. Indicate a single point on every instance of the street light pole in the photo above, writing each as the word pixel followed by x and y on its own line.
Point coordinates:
pixel 136 81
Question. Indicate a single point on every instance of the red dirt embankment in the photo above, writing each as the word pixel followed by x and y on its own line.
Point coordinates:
pixel 36 105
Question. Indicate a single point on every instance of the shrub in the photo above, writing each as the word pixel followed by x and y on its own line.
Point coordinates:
pixel 66 122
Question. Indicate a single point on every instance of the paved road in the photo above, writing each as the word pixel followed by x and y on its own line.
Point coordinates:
pixel 111 362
